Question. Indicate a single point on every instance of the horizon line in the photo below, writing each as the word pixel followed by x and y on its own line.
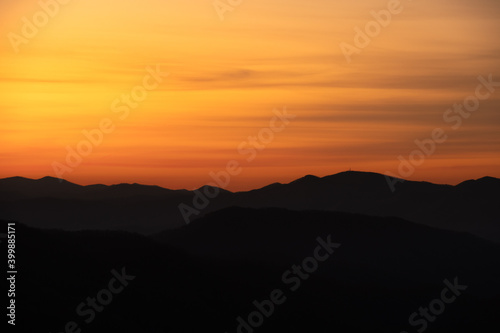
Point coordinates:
pixel 60 180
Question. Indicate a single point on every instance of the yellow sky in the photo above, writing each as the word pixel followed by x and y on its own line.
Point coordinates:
pixel 226 78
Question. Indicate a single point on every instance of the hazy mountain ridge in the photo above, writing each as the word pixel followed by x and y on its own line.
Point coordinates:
pixel 469 206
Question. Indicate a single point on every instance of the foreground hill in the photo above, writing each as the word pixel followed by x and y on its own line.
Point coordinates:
pixel 204 276
pixel 50 203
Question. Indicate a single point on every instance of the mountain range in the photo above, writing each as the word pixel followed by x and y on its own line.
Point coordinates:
pixel 395 254
pixel 470 206
pixel 206 275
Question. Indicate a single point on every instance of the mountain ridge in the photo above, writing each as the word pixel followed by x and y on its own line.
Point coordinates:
pixel 306 178
pixel 49 203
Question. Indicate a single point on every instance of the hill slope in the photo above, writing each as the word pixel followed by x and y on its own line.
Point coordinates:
pixel 204 276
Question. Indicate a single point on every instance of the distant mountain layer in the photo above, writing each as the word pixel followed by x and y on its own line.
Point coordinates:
pixel 51 203
pixel 203 276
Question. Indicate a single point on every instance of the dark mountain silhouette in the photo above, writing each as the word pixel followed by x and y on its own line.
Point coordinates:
pixel 50 187
pixel 386 249
pixel 201 277
pixel 50 203
pixel 53 203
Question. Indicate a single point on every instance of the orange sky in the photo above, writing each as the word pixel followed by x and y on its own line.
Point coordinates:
pixel 226 78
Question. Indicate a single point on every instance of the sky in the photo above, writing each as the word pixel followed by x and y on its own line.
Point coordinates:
pixel 228 78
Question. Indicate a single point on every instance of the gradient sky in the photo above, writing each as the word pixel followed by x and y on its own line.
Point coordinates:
pixel 226 77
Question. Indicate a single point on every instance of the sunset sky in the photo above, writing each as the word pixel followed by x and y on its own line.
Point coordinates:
pixel 227 76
